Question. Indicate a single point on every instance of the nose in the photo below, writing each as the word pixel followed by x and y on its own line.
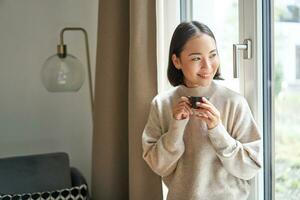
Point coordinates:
pixel 205 63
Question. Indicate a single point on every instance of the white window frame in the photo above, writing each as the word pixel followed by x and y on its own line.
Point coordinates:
pixel 250 26
pixel 167 18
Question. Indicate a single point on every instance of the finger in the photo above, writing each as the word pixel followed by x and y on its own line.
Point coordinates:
pixel 205 112
pixel 185 115
pixel 187 106
pixel 179 114
pixel 200 110
pixel 179 105
pixel 185 99
pixel 202 114
pixel 205 100
pixel 188 110
pixel 209 107
pixel 180 101
pixel 179 110
pixel 210 116
pixel 182 110
pixel 204 118
pixel 184 103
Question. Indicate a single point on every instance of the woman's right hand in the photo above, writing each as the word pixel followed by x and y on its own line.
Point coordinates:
pixel 182 109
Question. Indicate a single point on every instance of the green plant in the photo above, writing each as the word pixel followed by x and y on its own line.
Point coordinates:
pixel 278 76
pixel 295 184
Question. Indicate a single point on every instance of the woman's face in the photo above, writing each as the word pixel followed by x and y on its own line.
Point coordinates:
pixel 198 61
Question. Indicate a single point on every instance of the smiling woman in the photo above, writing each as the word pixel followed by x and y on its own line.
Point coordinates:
pixel 197 61
pixel 193 56
pixel 232 22
pixel 207 152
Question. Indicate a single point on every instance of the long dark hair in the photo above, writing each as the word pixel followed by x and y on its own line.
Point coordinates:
pixel 183 32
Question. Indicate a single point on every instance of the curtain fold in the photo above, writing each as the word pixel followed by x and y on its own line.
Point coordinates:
pixel 125 84
pixel 142 88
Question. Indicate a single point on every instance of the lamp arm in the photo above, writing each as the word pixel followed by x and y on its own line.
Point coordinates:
pixel 87 58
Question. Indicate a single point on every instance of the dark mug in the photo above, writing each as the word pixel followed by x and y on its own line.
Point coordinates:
pixel 194 99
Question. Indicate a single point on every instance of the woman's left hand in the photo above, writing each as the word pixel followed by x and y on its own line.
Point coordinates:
pixel 208 113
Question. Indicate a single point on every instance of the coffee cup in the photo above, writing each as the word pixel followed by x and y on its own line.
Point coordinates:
pixel 194 99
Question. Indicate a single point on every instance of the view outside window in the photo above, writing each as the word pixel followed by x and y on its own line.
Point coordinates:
pixel 222 18
pixel 287 99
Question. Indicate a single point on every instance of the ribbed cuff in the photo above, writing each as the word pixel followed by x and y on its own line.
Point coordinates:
pixel 176 132
pixel 221 140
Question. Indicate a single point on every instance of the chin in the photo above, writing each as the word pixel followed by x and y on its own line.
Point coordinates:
pixel 204 83
pixel 201 83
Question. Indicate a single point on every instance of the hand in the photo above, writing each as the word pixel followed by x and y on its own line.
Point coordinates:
pixel 208 113
pixel 182 109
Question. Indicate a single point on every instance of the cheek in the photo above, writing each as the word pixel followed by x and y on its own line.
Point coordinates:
pixel 187 66
pixel 190 68
pixel 215 64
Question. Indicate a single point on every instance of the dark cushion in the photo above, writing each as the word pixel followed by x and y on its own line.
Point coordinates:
pixel 76 193
pixel 76 177
pixel 34 173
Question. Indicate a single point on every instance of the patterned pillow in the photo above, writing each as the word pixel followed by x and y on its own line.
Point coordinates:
pixel 74 193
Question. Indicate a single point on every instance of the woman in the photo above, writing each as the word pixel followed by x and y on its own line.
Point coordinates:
pixel 209 152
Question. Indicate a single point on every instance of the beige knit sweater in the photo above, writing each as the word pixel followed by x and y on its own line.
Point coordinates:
pixel 200 164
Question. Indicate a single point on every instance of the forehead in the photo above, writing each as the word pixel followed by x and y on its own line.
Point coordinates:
pixel 200 44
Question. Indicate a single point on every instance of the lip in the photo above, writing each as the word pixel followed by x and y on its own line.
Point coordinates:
pixel 204 76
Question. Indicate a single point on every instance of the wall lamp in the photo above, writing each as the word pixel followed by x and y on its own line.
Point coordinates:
pixel 64 72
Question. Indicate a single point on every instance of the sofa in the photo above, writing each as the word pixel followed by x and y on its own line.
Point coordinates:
pixel 41 176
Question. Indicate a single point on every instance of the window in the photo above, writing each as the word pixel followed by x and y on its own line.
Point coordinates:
pixel 289 13
pixel 286 100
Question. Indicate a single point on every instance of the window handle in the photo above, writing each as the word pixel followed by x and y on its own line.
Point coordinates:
pixel 247 48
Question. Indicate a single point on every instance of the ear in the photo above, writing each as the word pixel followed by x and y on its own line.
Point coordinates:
pixel 176 61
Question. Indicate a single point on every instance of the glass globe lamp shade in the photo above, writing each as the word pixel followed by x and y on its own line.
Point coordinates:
pixel 62 74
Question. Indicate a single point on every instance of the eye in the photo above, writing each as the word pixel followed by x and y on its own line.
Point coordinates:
pixel 196 59
pixel 212 55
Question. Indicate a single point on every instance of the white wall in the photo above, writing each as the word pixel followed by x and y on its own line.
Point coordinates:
pixel 33 120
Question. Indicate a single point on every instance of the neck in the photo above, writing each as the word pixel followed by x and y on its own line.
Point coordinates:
pixel 196 90
pixel 193 85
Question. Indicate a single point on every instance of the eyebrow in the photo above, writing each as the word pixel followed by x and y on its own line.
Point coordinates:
pixel 191 54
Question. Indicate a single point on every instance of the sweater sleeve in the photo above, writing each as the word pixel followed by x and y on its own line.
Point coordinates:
pixel 162 151
pixel 238 150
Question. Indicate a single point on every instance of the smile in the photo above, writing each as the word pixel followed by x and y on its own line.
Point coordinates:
pixel 204 76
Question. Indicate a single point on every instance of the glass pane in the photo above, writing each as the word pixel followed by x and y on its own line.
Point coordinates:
pixel 222 19
pixel 287 99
